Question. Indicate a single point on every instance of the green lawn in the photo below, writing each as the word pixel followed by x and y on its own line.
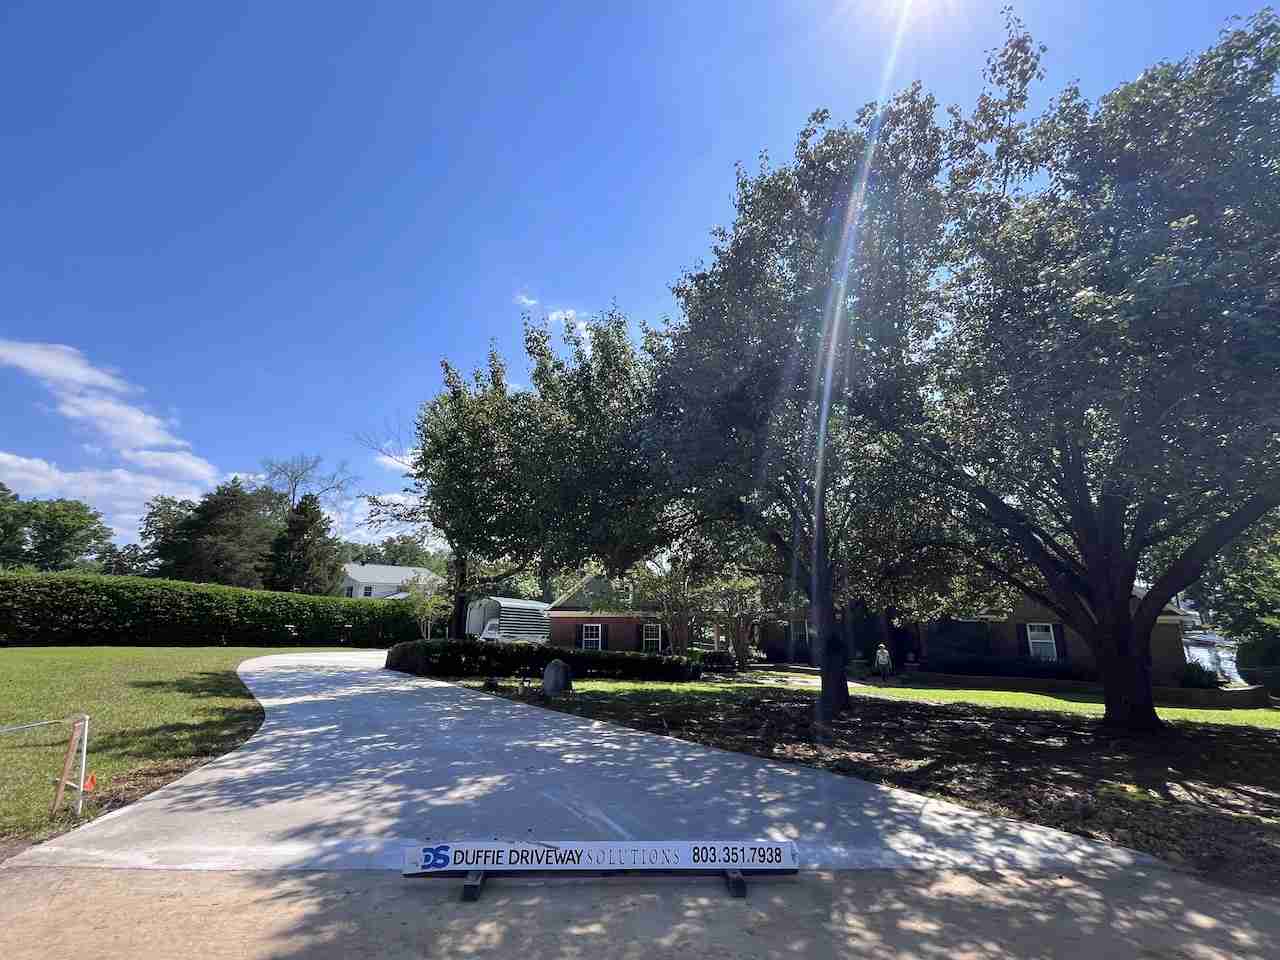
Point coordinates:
pixel 754 682
pixel 1086 704
pixel 155 712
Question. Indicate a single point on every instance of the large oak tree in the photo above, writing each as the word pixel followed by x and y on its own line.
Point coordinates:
pixel 1106 387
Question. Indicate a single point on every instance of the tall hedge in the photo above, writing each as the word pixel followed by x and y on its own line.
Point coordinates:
pixel 492 658
pixel 47 609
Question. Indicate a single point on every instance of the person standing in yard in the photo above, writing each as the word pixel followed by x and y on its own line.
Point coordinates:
pixel 883 662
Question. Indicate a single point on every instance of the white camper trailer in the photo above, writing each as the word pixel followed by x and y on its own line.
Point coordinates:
pixel 505 618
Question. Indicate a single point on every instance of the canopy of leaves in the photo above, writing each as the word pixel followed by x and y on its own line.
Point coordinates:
pixel 224 538
pixel 792 346
pixel 1108 378
pixel 49 534
pixel 593 467
pixel 304 557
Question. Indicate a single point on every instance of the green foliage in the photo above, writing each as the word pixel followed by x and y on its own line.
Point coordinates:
pixel 1196 676
pixel 591 465
pixel 481 658
pixel 1241 587
pixel 715 661
pixel 734 606
pixel 1102 396
pixel 539 480
pixel 131 560
pixel 430 602
pixel 791 352
pixel 91 610
pixel 225 538
pixel 49 534
pixel 304 557
pixel 160 529
pixel 13 541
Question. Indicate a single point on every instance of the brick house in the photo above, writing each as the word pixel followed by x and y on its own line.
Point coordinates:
pixel 1030 631
pixel 600 614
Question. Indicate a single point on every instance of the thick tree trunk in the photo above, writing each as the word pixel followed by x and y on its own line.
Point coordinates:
pixel 458 622
pixel 834 696
pixel 544 581
pixel 1125 663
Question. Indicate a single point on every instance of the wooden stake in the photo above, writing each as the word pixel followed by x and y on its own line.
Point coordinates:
pixel 66 768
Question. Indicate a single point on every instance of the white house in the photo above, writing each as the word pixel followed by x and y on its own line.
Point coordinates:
pixel 381 581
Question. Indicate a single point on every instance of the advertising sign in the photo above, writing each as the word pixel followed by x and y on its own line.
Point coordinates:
pixel 501 856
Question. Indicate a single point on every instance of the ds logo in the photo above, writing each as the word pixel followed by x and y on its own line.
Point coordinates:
pixel 435 858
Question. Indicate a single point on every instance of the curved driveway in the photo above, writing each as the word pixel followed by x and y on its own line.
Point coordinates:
pixel 354 763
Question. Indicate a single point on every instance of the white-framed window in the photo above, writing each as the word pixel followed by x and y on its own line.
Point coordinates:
pixel 591 634
pixel 1040 639
pixel 651 638
pixel 351 591
pixel 368 591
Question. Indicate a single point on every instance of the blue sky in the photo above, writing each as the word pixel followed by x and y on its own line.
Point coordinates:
pixel 232 231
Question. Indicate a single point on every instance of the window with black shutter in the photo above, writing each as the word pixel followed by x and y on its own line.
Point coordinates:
pixel 1060 641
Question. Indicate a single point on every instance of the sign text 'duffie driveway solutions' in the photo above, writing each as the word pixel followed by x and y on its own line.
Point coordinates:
pixel 497 856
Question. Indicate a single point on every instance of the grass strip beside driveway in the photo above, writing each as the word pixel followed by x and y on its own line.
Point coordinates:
pixel 155 712
pixel 1085 704
pixel 1202 795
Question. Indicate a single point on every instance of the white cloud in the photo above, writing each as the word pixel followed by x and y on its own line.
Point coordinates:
pixel 180 463
pixel 523 299
pixel 103 401
pixel 123 424
pixel 89 394
pixel 61 365
pixel 120 494
pixel 563 316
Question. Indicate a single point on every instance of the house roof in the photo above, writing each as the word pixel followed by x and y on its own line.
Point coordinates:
pixel 386 573
pixel 1171 610
pixel 518 604
pixel 597 594
pixel 573 592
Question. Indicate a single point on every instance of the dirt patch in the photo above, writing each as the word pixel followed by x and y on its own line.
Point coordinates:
pixel 871 915
pixel 1199 796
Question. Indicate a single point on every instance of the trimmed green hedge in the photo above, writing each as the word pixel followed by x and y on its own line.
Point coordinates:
pixel 485 658
pixel 48 609
pixel 715 661
pixel 1196 676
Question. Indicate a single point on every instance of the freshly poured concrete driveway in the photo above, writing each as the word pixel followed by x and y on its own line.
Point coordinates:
pixel 354 763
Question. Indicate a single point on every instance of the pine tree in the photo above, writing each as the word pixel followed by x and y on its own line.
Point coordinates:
pixel 304 558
